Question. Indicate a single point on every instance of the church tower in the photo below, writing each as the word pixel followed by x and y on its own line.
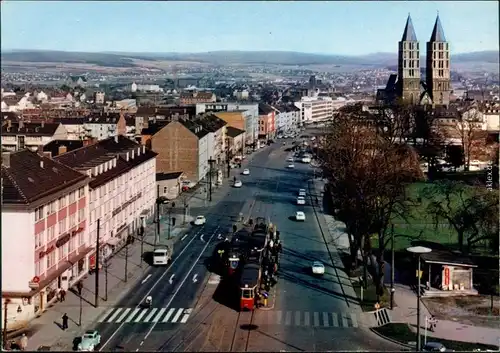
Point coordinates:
pixel 438 79
pixel 408 87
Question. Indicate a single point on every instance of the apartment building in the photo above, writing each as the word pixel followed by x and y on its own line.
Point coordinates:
pixel 267 126
pixel 193 97
pixel 122 189
pixel 287 118
pixel 105 125
pixel 20 135
pixel 45 243
pixel 74 127
pixel 314 109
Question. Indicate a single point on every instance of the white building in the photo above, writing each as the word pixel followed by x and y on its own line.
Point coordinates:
pixel 287 118
pixel 75 127
pixel 45 243
pixel 145 88
pixel 241 95
pixel 20 135
pixel 122 188
pixel 104 126
pixel 42 96
pixel 313 109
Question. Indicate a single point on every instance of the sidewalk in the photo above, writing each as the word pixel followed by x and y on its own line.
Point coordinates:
pixel 406 311
pixel 337 241
pixel 46 329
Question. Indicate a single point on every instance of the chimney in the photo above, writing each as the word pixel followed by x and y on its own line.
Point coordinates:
pixel 6 159
pixel 9 124
pixel 39 150
pixel 116 138
pixel 41 163
pixel 21 124
pixel 62 149
pixel 43 124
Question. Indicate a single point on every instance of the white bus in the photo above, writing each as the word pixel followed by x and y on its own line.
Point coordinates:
pixel 161 257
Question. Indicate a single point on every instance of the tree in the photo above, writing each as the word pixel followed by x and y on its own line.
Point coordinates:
pixel 472 212
pixel 428 136
pixel 455 156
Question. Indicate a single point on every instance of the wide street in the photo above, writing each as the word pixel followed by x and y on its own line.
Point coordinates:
pixel 193 311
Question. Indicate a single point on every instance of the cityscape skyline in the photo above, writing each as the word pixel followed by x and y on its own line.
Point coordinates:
pixel 252 26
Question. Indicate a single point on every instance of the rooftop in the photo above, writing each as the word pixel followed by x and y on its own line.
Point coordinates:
pixel 10 128
pixel 233 132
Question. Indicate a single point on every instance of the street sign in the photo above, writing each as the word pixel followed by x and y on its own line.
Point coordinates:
pixel 377 306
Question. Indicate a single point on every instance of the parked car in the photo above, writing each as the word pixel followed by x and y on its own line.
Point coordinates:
pixel 291 166
pixel 200 220
pixel 188 184
pixel 301 200
pixel 90 340
pixel 302 192
pixel 434 347
pixel 246 172
pixel 300 216
pixel 238 184
pixel 318 268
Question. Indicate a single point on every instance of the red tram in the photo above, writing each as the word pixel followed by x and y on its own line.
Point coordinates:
pixel 249 285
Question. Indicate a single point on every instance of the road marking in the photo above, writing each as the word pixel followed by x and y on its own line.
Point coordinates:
pixel 326 322
pixel 354 320
pixel 307 319
pixel 316 319
pixel 142 342
pixel 145 279
pixel 149 292
pixel 170 312
pixel 171 280
pixel 141 314
pixel 335 320
pixel 115 315
pixel 288 318
pixel 195 278
pixel 297 318
pixel 185 278
pixel 278 317
pixel 153 311
pixel 109 311
pixel 201 238
pixel 160 313
pixel 176 317
pixel 345 323
pixel 123 315
pixel 214 279
pixel 131 316
pixel 184 236
pixel 185 318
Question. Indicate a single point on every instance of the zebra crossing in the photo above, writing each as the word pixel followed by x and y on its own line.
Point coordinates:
pixel 145 315
pixel 307 319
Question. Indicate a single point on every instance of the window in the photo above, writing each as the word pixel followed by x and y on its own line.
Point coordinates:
pixel 62 226
pixel 39 239
pixel 72 197
pixel 81 238
pixel 100 192
pixel 39 214
pixel 51 259
pixel 71 245
pixel 81 193
pixel 92 216
pixel 164 189
pixel 81 214
pixel 38 268
pixel 51 233
pixel 52 207
pixel 72 221
pixel 62 202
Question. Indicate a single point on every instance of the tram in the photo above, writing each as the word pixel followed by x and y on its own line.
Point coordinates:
pixel 249 284
pixel 233 261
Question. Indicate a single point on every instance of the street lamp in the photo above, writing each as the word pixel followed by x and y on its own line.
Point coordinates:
pixel 160 200
pixel 140 233
pixel 419 250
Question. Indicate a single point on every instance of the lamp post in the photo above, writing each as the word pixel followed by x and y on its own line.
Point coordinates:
pixel 160 200
pixel 140 233
pixel 211 161
pixel 419 250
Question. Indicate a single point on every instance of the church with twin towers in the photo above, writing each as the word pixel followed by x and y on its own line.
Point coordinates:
pixel 407 85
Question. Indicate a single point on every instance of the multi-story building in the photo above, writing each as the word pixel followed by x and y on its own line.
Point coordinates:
pixel 287 118
pixel 74 127
pixel 438 71
pixel 122 188
pixel 45 243
pixel 235 141
pixel 20 135
pixel 99 97
pixel 315 109
pixel 216 136
pixel 193 97
pixel 267 124
pixel 105 125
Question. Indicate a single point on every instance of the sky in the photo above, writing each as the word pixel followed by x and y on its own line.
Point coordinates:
pixel 326 27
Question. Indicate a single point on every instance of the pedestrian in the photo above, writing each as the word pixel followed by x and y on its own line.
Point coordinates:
pixel 23 342
pixel 63 295
pixel 58 295
pixel 65 321
pixel 79 287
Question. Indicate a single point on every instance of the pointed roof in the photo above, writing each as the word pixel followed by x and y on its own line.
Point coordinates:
pixel 437 32
pixel 409 33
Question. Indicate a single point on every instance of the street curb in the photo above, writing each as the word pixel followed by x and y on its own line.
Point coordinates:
pixel 390 339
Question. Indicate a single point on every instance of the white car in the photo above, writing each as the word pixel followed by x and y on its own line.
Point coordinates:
pixel 318 268
pixel 246 172
pixel 300 216
pixel 306 160
pixel 302 192
pixel 291 166
pixel 238 184
pixel 89 341
pixel 301 200
pixel 200 220
pixel 290 159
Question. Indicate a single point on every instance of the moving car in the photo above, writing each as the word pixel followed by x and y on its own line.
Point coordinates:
pixel 302 192
pixel 434 347
pixel 291 166
pixel 318 268
pixel 290 159
pixel 238 184
pixel 200 220
pixel 161 257
pixel 90 340
pixel 246 172
pixel 301 200
pixel 300 216
pixel 306 160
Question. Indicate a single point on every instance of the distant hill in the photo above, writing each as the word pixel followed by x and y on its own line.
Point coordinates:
pixel 119 59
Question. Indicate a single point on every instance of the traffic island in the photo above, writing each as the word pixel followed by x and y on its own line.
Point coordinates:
pixel 403 334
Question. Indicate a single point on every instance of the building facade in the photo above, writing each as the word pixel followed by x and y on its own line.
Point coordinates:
pixel 104 126
pixel 438 72
pixel 267 123
pixel 287 118
pixel 194 97
pixel 408 86
pixel 315 109
pixel 45 235
pixel 20 135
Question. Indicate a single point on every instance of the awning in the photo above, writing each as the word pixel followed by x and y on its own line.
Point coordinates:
pixel 113 241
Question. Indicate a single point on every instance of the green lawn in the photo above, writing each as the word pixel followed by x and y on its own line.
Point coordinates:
pixel 370 296
pixel 402 333
pixel 418 224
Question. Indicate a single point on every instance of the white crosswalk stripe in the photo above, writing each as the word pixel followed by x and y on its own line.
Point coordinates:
pixel 306 319
pixel 138 315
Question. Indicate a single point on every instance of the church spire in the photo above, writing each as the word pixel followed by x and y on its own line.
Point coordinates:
pixel 409 33
pixel 437 32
